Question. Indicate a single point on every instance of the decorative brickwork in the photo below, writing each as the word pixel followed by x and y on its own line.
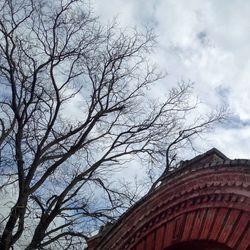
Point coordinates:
pixel 205 202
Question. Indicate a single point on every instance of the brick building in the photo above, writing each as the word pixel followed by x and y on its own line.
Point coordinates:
pixel 203 205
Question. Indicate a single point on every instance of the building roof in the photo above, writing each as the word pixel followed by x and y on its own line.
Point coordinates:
pixel 206 162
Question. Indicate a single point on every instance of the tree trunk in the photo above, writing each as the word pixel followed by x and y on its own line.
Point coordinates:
pixel 17 213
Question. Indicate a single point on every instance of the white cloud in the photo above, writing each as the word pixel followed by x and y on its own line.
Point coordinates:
pixel 204 41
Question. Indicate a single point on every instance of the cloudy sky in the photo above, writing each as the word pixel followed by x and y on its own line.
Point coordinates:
pixel 207 42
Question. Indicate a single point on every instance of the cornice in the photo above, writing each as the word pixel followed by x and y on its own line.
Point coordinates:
pixel 218 184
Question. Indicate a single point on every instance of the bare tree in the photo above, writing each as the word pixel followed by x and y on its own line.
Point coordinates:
pixel 56 54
